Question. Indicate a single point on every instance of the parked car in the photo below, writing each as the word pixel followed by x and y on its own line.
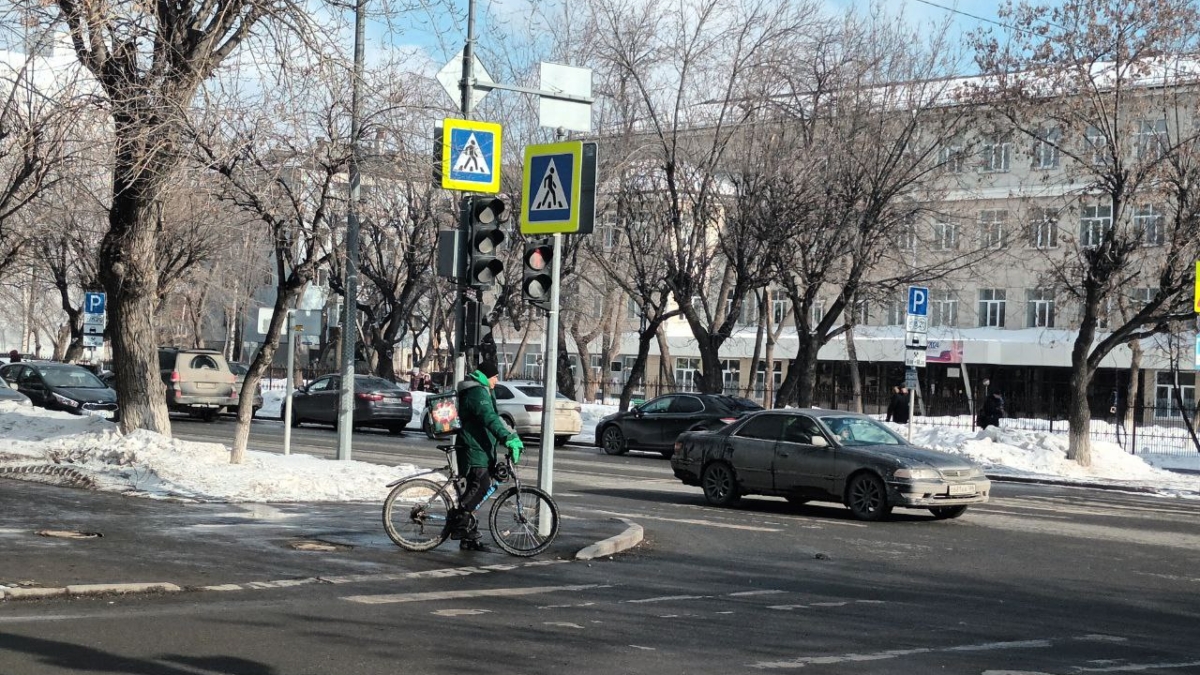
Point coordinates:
pixel 655 424
pixel 197 381
pixel 62 386
pixel 239 371
pixel 827 455
pixel 377 403
pixel 11 395
pixel 521 404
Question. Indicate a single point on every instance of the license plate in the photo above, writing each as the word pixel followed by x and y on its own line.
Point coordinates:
pixel 962 489
pixel 205 385
pixel 106 414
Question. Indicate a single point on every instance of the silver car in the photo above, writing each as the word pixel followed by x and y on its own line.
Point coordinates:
pixel 520 405
pixel 827 455
pixel 7 393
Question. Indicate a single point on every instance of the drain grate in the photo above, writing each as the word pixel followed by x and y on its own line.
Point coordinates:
pixel 68 534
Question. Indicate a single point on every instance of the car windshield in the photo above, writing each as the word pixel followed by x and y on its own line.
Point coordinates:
pixel 735 404
pixel 860 431
pixel 237 369
pixel 74 378
pixel 537 391
pixel 375 383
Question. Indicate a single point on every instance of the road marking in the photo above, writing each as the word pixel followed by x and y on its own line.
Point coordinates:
pixel 668 598
pixel 803 661
pixel 739 594
pixel 562 624
pixel 1079 530
pixel 460 612
pixel 1137 667
pixel 691 521
pixel 649 649
pixel 458 595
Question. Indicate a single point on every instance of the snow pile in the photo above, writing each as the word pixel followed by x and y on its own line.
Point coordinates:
pixel 591 414
pixel 149 464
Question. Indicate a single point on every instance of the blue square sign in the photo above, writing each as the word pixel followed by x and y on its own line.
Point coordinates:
pixel 93 303
pixel 552 177
pixel 918 301
pixel 471 155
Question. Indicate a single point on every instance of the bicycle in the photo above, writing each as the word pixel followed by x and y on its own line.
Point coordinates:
pixel 416 513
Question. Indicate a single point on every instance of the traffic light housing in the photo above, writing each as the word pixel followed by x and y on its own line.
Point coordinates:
pixel 485 219
pixel 537 282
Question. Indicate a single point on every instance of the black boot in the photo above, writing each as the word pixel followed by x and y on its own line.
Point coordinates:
pixel 474 545
pixel 461 524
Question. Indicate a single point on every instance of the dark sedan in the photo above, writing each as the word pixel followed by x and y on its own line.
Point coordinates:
pixel 62 386
pixel 11 395
pixel 377 403
pixel 827 455
pixel 655 424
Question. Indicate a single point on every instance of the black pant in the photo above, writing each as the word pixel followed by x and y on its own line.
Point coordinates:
pixel 479 479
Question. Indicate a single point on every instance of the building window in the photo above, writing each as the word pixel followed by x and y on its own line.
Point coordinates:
pixel 991 228
pixel 631 309
pixel 1040 312
pixel 1043 229
pixel 748 314
pixel 996 156
pixel 1094 224
pixel 760 378
pixel 1140 297
pixel 945 236
pixel 685 373
pixel 1105 313
pixel 1150 224
pixel 908 238
pixel 779 310
pixel 991 307
pixel 950 158
pixel 1095 146
pixel 862 313
pixel 1046 149
pixel 817 312
pixel 895 312
pixel 533 366
pixel 1165 406
pixel 943 309
pixel 731 376
pixel 1151 140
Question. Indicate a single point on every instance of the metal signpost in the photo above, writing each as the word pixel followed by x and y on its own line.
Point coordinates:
pixel 916 342
pixel 94 318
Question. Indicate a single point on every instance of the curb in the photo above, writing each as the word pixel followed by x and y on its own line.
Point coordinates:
pixel 87 589
pixel 1070 483
pixel 632 536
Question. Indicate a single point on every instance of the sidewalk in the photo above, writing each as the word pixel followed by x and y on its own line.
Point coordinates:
pixel 132 540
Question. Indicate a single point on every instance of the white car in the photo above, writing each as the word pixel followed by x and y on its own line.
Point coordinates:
pixel 520 405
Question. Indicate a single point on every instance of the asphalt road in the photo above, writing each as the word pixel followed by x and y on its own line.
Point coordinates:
pixel 1041 580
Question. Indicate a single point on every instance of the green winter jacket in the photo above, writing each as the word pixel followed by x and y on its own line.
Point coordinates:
pixel 482 428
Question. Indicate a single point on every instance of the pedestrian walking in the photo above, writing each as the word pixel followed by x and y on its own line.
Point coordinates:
pixel 992 412
pixel 14 356
pixel 897 410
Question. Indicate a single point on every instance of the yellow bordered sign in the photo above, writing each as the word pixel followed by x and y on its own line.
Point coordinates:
pixel 551 194
pixel 471 155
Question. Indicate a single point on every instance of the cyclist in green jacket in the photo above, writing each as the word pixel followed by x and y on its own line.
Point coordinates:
pixel 475 448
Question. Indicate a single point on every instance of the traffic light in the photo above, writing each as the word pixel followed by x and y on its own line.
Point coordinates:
pixel 485 217
pixel 537 282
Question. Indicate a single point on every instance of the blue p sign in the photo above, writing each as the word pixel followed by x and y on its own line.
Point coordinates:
pixel 918 301
pixel 93 303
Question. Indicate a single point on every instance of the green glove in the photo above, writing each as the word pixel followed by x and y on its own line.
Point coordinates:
pixel 515 446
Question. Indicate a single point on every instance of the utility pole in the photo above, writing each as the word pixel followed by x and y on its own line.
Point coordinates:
pixel 350 306
pixel 460 310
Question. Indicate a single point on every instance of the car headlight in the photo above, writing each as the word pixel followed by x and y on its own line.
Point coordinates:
pixel 976 472
pixel 917 474
pixel 70 403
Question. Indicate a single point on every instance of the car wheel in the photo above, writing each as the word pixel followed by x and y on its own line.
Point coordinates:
pixel 560 441
pixel 613 441
pixel 512 424
pixel 667 454
pixel 396 429
pixel 947 512
pixel 254 411
pixel 427 427
pixel 867 497
pixel 210 415
pixel 720 485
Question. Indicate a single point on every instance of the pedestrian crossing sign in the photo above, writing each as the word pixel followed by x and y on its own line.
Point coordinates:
pixel 551 188
pixel 471 156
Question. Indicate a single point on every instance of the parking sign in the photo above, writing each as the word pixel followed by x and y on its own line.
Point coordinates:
pixel 918 301
pixel 93 303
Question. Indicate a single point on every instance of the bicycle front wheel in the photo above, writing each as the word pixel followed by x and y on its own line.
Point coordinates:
pixel 416 515
pixel 516 519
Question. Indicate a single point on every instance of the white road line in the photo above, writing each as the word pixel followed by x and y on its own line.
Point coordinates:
pixel 668 598
pixel 457 595
pixel 690 521
pixel 739 594
pixel 803 661
pixel 1138 667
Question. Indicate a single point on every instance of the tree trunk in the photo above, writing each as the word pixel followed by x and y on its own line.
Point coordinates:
pixel 856 391
pixel 1131 392
pixel 665 369
pixel 1079 416
pixel 129 273
pixel 801 379
pixel 637 372
pixel 285 297
pixel 565 378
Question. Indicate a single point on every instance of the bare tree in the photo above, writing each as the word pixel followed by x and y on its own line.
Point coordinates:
pixel 1110 86
pixel 149 62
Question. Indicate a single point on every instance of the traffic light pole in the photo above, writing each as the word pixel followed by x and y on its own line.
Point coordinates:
pixel 460 310
pixel 550 389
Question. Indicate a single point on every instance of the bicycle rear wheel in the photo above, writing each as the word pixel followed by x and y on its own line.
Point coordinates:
pixel 516 516
pixel 416 515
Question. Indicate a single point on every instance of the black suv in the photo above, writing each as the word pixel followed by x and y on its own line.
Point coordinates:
pixel 655 424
